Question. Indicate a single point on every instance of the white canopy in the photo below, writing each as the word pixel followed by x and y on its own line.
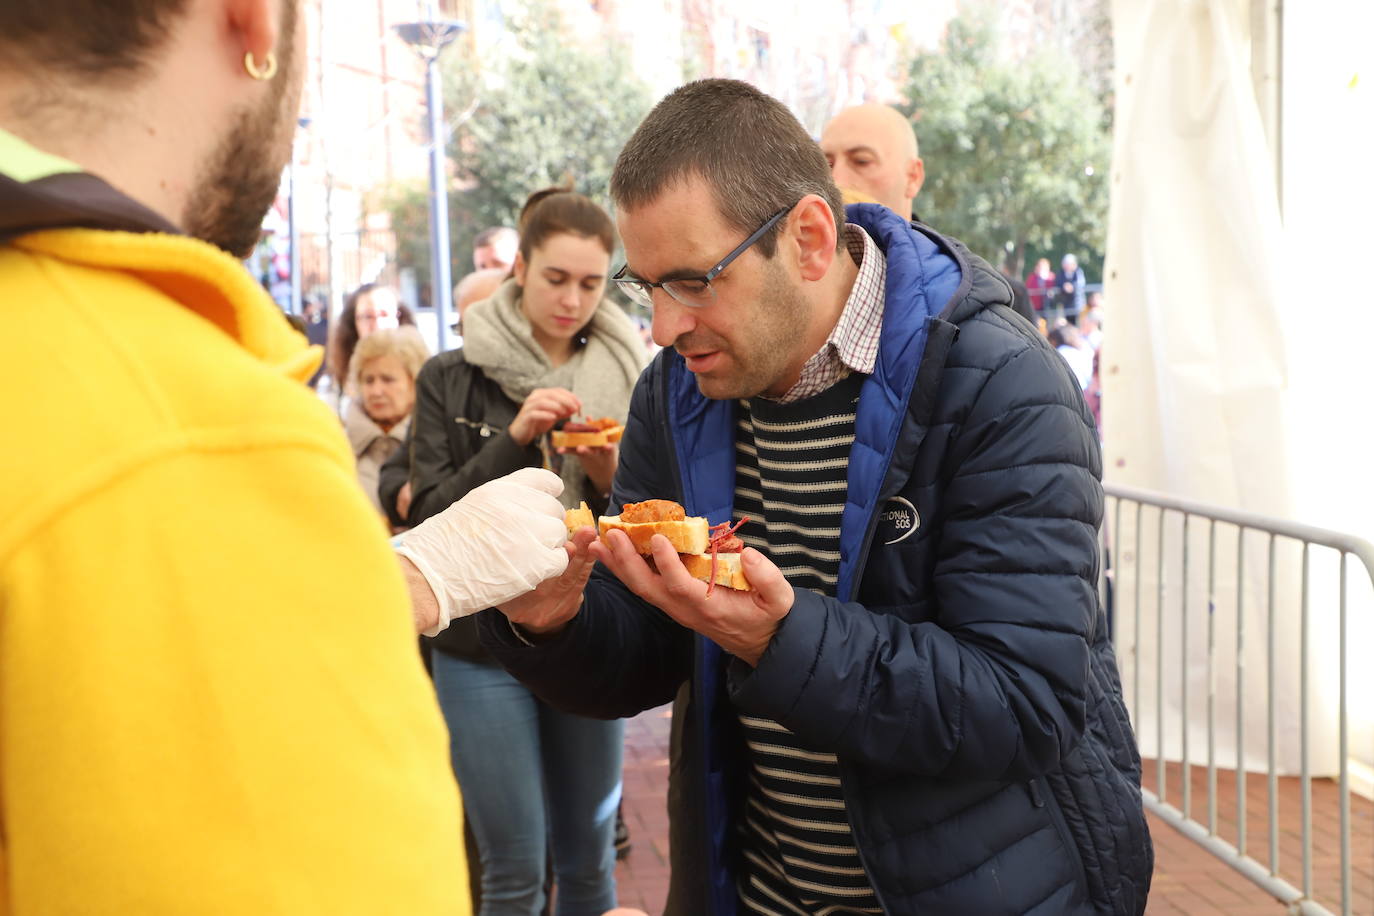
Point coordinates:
pixel 1236 367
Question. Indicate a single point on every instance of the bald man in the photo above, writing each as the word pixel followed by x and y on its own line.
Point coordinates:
pixel 476 286
pixel 872 148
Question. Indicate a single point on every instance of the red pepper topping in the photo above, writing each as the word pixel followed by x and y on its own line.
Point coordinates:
pixel 723 538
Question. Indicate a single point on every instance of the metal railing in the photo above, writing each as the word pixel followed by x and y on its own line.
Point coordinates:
pixel 1300 899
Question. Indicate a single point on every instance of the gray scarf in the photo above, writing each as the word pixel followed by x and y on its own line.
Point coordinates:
pixel 497 339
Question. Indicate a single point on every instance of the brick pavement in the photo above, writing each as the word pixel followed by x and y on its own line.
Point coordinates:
pixel 1187 880
pixel 1326 886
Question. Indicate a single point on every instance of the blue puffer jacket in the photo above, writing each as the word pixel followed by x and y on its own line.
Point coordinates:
pixel 964 676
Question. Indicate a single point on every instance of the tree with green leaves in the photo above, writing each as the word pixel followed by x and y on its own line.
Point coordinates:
pixel 1017 149
pixel 543 112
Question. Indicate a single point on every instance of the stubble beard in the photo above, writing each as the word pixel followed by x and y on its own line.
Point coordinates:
pixel 764 356
pixel 243 172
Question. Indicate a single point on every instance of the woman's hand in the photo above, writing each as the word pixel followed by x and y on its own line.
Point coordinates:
pixel 542 409
pixel 598 463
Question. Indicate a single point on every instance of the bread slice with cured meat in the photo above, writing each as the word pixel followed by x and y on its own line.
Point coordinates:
pixel 596 433
pixel 710 553
pixel 641 521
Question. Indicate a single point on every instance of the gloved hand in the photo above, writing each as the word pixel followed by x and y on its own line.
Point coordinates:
pixel 499 541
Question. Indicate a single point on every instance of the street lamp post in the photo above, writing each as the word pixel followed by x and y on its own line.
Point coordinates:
pixel 428 39
pixel 293 228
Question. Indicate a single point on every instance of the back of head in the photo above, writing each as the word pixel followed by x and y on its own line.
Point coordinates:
pixel 495 247
pixel 476 286
pixel 1062 335
pixel 555 211
pixel 84 38
pixel 496 235
pixel 745 145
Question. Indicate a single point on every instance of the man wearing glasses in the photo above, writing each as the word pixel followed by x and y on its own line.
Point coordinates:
pixel 916 709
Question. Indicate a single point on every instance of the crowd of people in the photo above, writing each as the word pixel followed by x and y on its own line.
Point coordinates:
pixel 913 708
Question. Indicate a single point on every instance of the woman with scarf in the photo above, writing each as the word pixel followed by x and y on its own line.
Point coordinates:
pixel 546 347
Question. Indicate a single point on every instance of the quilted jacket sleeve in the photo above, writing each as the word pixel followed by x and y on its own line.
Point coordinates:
pixel 992 683
pixel 619 655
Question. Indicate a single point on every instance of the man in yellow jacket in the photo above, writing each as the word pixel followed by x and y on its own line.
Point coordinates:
pixel 210 698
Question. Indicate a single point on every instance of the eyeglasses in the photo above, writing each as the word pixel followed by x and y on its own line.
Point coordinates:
pixel 695 292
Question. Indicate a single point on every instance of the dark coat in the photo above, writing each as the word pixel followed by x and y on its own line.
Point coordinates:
pixel 457 441
pixel 963 676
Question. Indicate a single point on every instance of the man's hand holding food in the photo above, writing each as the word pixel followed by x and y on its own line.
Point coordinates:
pixel 740 622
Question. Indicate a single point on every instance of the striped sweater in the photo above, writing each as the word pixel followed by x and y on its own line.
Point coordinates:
pixel 791 462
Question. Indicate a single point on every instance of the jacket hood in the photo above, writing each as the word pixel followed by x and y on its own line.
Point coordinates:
pixel 41 191
pixel 49 207
pixel 980 286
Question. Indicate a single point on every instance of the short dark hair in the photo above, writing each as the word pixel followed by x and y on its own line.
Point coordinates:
pixel 554 211
pixel 85 37
pixel 752 152
pixel 493 235
pixel 1064 334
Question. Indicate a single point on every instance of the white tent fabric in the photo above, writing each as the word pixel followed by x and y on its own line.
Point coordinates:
pixel 1196 372
pixel 1328 196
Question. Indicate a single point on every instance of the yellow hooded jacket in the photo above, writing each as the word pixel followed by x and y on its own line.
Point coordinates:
pixel 210 696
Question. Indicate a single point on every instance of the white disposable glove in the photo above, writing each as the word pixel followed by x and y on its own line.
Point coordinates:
pixel 499 541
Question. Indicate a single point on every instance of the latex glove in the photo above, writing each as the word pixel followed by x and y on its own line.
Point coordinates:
pixel 499 541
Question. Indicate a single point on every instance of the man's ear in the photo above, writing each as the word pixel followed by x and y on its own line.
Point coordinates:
pixel 915 176
pixel 255 27
pixel 812 227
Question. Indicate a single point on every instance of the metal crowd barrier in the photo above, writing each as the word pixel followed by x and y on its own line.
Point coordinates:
pixel 1160 505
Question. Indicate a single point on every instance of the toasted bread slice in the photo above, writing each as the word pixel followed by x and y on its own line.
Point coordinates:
pixel 581 517
pixel 596 433
pixel 691 535
pixel 729 570
pixel 596 439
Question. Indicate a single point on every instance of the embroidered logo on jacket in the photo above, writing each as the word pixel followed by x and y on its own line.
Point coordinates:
pixel 897 521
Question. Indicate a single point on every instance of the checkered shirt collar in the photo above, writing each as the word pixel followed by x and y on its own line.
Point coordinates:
pixel 853 343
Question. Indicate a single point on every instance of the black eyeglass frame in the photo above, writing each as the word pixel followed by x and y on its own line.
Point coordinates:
pixel 633 285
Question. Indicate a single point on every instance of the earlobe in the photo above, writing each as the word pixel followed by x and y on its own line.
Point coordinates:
pixel 255 24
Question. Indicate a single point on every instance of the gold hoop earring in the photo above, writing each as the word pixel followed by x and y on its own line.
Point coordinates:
pixel 269 66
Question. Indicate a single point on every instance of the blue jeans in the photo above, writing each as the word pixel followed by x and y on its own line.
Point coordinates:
pixel 531 775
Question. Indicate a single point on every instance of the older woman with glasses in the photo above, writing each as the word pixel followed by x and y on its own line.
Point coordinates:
pixel 370 308
pixel 382 371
